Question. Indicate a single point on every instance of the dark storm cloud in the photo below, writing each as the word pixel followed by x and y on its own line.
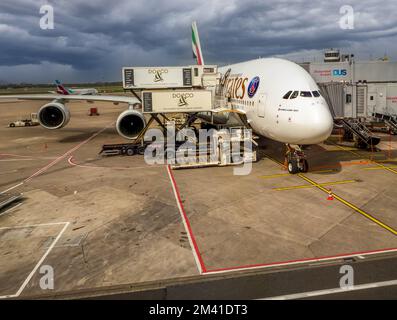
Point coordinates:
pixel 92 40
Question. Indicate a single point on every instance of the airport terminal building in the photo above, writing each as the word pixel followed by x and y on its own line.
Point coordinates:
pixel 356 89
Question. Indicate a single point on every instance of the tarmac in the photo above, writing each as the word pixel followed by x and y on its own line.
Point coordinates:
pixel 116 222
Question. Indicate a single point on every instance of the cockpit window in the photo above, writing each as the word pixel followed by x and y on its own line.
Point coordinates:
pixel 306 94
pixel 294 95
pixel 287 95
pixel 316 94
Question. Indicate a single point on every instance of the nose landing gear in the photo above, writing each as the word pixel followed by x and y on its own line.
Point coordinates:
pixel 295 160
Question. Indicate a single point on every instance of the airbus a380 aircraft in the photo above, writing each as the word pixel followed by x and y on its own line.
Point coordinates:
pixel 279 99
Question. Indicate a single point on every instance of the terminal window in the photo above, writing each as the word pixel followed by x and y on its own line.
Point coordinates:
pixel 348 98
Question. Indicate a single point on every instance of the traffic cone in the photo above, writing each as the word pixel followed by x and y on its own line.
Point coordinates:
pixel 330 195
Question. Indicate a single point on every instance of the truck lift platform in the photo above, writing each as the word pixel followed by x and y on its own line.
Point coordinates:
pixel 357 131
pixel 138 145
pixel 198 93
pixel 128 149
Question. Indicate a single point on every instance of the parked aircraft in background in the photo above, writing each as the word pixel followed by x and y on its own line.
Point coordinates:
pixel 61 89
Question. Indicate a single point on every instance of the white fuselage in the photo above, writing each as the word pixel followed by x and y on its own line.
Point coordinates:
pixel 304 119
pixel 87 91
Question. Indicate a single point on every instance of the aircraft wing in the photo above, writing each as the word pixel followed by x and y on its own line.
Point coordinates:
pixel 118 99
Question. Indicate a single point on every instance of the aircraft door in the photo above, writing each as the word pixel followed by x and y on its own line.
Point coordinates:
pixel 261 105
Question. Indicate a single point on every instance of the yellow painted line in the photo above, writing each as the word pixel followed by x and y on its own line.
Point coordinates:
pixel 289 175
pixel 378 164
pixel 386 160
pixel 324 171
pixel 337 150
pixel 274 160
pixel 379 168
pixel 387 168
pixel 275 176
pixel 332 183
pixel 350 205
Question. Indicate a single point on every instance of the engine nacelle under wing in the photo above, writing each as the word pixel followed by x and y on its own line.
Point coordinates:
pixel 53 115
pixel 130 123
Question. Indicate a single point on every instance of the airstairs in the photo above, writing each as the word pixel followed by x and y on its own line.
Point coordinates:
pixel 389 120
pixel 357 131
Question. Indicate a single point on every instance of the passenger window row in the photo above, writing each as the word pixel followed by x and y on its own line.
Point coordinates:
pixel 306 94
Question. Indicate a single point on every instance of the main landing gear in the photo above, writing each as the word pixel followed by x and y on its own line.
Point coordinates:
pixel 295 160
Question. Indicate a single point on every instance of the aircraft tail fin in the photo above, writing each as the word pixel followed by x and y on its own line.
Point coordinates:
pixel 61 88
pixel 196 46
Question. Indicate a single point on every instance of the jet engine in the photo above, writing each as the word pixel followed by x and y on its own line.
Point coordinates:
pixel 130 123
pixel 54 115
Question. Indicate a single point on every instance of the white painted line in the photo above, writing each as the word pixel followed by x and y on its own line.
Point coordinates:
pixel 310 294
pixel 25 283
pixel 13 155
pixel 187 230
pixel 22 156
pixel 14 207
pixel 13 160
pixel 9 189
pixel 8 172
pixel 36 225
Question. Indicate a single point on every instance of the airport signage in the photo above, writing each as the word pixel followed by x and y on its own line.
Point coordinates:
pixel 339 72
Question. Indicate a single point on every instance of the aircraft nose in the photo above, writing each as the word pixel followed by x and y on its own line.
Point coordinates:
pixel 321 123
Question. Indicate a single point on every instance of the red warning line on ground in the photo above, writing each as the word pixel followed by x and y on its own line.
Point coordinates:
pixel 51 164
pixel 186 222
pixel 200 262
pixel 13 155
pixel 301 261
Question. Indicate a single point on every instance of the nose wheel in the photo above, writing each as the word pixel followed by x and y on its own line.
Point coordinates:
pixel 296 160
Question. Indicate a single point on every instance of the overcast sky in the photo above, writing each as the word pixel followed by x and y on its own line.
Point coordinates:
pixel 93 39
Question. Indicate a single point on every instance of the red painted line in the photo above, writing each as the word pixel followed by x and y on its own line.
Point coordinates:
pixel 13 155
pixel 264 265
pixel 51 164
pixel 73 163
pixel 255 266
pixel 185 217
